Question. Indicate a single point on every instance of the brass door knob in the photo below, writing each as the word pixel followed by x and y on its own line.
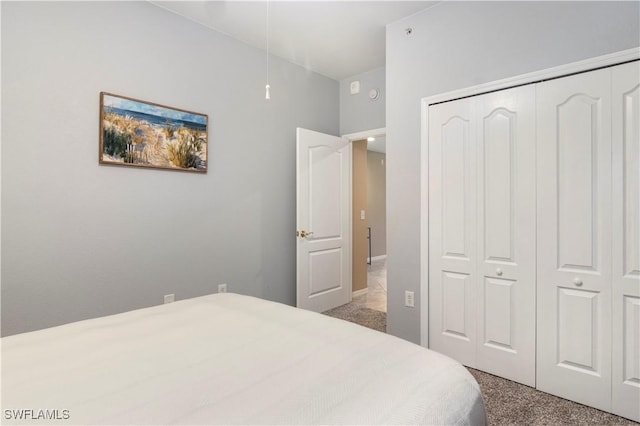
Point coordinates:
pixel 303 234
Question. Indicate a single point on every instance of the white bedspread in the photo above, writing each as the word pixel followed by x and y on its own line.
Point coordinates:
pixel 230 359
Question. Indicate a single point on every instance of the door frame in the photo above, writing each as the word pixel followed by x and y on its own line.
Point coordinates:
pixel 528 78
pixel 352 137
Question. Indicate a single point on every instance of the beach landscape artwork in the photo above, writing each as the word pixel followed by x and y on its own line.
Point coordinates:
pixel 145 134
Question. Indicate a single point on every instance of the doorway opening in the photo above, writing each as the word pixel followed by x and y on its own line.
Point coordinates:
pixel 369 282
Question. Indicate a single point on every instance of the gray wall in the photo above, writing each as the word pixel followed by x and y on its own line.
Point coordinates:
pixel 459 44
pixel 377 201
pixel 81 240
pixel 358 112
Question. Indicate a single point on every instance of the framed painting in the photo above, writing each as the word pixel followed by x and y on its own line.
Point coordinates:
pixel 145 134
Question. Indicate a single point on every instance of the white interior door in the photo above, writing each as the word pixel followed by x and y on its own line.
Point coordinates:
pixel 574 238
pixel 452 238
pixel 506 234
pixel 323 205
pixel 626 240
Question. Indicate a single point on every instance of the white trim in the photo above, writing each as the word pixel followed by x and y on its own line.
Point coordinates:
pixel 359 292
pixel 541 75
pixel 350 238
pixel 424 224
pixel 381 257
pixel 533 77
pixel 365 134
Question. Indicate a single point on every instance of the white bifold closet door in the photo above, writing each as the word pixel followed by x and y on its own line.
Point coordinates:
pixel 506 229
pixel 574 238
pixel 453 288
pixel 626 240
pixel 482 232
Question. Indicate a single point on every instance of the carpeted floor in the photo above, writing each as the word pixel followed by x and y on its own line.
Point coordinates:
pixel 360 315
pixel 510 403
pixel 507 402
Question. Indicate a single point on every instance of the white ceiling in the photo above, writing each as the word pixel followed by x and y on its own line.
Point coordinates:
pixel 378 145
pixel 337 39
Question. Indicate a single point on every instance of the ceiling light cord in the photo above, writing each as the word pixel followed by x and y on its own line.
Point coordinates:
pixel 267 95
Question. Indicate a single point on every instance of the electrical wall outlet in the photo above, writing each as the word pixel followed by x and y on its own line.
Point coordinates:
pixel 409 299
pixel 222 288
pixel 168 298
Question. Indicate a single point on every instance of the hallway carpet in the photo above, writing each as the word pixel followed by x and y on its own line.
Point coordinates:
pixel 360 315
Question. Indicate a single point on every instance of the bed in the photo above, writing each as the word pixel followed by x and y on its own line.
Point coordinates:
pixel 229 359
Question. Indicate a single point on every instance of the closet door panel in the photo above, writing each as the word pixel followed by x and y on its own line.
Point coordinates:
pixel 452 276
pixel 506 233
pixel 577 169
pixel 577 333
pixel 626 240
pixel 574 237
pixel 497 328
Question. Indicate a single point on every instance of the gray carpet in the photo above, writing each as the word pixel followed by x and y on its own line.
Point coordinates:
pixel 360 315
pixel 510 403
pixel 507 402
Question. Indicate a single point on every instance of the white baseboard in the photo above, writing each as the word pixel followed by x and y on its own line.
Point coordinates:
pixel 381 257
pixel 359 292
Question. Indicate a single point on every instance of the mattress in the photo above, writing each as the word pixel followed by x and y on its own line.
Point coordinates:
pixel 229 359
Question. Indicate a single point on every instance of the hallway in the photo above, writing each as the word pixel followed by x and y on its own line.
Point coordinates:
pixel 376 295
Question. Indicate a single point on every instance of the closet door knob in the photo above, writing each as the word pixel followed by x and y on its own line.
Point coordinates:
pixel 577 281
pixel 499 272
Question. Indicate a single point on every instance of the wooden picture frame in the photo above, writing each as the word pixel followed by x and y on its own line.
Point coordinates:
pixel 138 133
